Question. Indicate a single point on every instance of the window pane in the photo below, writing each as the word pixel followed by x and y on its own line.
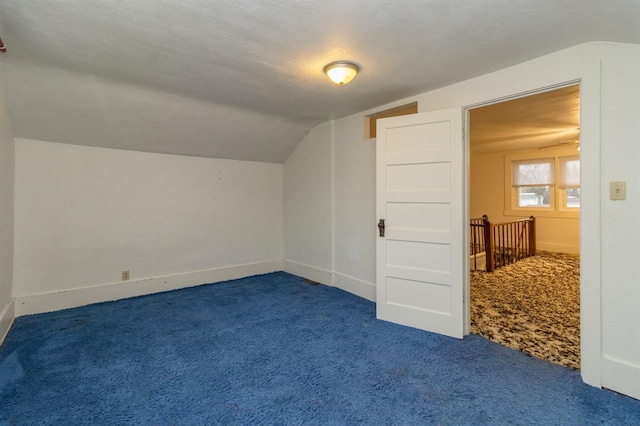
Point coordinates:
pixel 534 196
pixel 533 172
pixel 573 198
pixel 569 171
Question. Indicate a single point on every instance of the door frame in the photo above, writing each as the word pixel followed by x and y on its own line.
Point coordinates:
pixel 588 77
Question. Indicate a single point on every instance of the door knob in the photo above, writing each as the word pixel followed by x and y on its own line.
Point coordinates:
pixel 381 227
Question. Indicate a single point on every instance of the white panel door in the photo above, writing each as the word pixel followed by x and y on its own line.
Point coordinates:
pixel 420 198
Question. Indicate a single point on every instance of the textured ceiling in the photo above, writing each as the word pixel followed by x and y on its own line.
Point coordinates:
pixel 243 79
pixel 543 120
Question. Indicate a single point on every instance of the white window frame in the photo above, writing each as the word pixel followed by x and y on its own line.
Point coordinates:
pixel 563 184
pixel 557 194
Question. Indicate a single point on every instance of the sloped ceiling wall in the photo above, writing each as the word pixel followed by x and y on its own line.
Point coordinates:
pixel 61 106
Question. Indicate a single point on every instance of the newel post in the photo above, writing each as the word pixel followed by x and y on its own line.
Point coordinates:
pixel 532 236
pixel 488 243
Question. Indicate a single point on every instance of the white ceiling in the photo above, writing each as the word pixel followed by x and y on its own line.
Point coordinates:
pixel 243 79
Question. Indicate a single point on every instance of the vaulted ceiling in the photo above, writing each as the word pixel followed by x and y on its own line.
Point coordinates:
pixel 243 79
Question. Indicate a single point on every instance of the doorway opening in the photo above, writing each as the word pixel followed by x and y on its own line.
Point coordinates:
pixel 524 160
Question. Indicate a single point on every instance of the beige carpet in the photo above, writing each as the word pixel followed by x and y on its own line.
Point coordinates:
pixel 532 306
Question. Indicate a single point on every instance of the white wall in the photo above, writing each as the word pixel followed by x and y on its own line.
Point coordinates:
pixel 610 150
pixel 355 214
pixel 486 196
pixel 6 218
pixel 85 214
pixel 308 236
pixel 620 229
pixel 329 235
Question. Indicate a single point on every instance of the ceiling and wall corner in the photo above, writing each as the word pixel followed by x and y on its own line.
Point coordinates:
pixel 244 81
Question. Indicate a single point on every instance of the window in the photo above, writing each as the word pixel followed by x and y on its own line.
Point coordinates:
pixel 570 181
pixel 533 180
pixel 542 185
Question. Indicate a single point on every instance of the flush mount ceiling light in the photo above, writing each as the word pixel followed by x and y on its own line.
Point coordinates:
pixel 341 72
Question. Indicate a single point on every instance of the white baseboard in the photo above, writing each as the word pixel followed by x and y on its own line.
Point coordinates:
pixel 309 272
pixel 557 248
pixel 621 377
pixel 71 298
pixel 7 316
pixel 358 287
pixel 353 285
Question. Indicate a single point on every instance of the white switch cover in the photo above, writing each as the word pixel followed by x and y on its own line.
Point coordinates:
pixel 618 190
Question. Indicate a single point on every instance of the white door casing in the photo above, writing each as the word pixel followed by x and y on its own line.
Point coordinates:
pixel 420 194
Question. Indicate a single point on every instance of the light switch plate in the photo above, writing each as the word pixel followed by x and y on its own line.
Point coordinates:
pixel 618 190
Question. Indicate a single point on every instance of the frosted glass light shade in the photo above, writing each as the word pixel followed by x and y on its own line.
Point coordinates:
pixel 341 72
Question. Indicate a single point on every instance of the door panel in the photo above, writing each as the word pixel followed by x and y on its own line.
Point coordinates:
pixel 421 216
pixel 401 177
pixel 420 194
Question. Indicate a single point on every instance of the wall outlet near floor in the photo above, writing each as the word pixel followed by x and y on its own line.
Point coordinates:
pixel 125 276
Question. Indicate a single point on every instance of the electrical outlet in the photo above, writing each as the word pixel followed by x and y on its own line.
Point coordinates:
pixel 125 276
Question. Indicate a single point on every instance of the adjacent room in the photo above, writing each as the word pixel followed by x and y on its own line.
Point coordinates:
pixel 199 225
pixel 525 163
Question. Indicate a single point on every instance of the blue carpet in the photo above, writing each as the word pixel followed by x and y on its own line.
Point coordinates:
pixel 273 349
